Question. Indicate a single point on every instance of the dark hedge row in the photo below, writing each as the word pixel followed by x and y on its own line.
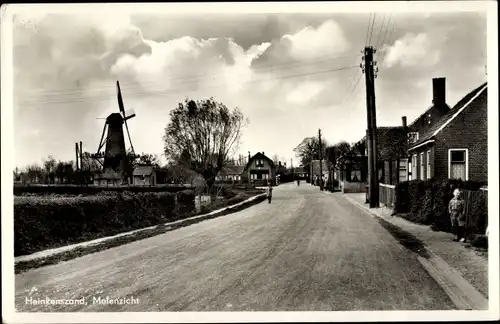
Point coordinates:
pixel 45 222
pixel 90 190
pixel 426 202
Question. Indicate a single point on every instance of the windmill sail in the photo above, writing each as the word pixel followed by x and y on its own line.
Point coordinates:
pixel 120 99
pixel 129 114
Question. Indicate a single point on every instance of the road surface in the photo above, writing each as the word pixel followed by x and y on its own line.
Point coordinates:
pixel 306 251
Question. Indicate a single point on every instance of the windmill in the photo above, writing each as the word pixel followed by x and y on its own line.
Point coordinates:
pixel 115 155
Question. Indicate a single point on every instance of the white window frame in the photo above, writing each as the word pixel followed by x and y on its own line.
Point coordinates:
pixel 414 166
pixel 406 169
pixel 428 164
pixel 422 167
pixel 466 161
pixel 413 137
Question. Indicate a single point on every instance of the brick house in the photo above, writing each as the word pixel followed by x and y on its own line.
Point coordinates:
pixel 422 124
pixel 231 173
pixel 260 170
pixel 456 144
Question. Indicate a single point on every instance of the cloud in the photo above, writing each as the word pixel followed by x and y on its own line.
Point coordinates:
pixel 413 50
pixel 279 69
pixel 312 42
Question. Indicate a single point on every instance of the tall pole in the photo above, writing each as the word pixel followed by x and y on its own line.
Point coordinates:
pixel 76 155
pixel 371 134
pixel 81 156
pixel 320 161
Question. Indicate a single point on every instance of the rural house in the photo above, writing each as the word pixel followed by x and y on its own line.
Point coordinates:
pixel 144 175
pixel 299 173
pixel 456 145
pixel 426 121
pixel 261 169
pixel 232 173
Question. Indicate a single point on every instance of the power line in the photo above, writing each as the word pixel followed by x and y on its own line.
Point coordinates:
pixel 368 29
pixel 389 38
pixel 378 43
pixel 186 90
pixel 60 92
pixel 352 91
pixel 371 31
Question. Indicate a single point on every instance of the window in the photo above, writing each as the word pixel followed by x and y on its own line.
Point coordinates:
pixel 414 167
pixel 458 167
pixel 253 176
pixel 265 176
pixel 403 170
pixel 412 137
pixel 422 167
pixel 259 163
pixel 428 164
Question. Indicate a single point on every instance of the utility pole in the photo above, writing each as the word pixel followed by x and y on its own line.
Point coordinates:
pixel 77 154
pixel 320 161
pixel 371 133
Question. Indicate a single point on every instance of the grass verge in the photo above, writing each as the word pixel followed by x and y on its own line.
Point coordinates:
pixel 160 229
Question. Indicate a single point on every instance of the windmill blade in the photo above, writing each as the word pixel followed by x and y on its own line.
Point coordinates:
pixel 129 138
pixel 102 138
pixel 130 113
pixel 120 99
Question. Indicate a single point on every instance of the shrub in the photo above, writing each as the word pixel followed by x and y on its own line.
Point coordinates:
pixel 480 241
pixel 427 202
pixel 402 200
pixel 46 222
pixel 90 190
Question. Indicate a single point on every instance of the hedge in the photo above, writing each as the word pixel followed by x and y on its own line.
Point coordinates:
pixel 426 202
pixel 91 190
pixel 47 222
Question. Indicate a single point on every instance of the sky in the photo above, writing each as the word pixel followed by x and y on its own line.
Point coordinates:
pixel 290 74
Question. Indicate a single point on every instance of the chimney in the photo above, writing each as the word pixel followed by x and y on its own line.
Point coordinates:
pixel 439 91
pixel 248 155
pixel 263 153
pixel 404 121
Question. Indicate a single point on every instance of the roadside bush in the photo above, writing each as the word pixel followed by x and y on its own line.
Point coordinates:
pixel 426 202
pixel 480 241
pixel 90 190
pixel 402 201
pixel 185 202
pixel 48 222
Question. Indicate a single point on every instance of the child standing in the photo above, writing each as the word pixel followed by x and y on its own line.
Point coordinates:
pixel 269 192
pixel 457 215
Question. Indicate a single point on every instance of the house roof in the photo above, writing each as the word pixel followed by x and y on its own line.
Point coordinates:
pixel 143 170
pixel 232 170
pixel 259 155
pixel 452 114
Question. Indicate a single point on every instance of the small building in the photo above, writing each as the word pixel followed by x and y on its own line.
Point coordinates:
pixel 144 175
pixel 231 173
pixel 456 145
pixel 260 170
pixel 300 173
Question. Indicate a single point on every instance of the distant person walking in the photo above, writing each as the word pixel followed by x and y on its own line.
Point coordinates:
pixel 457 215
pixel 298 183
pixel 269 192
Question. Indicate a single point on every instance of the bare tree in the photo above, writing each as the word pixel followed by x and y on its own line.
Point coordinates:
pixel 202 135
